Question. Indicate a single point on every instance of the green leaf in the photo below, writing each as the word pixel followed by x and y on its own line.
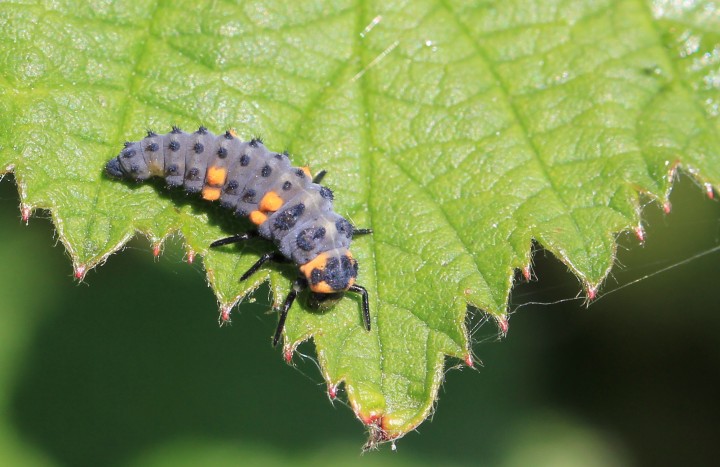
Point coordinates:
pixel 459 131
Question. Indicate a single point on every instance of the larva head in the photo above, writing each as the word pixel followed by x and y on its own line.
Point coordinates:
pixel 324 301
pixel 128 164
pixel 331 272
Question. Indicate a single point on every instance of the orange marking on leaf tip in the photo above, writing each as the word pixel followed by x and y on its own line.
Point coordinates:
pixel 156 250
pixel 591 293
pixel 378 427
pixel 667 207
pixel 469 361
pixel 527 274
pixel 190 256
pixel 332 391
pixel 25 213
pixel 709 191
pixel 288 354
pixel 225 314
pixel 640 233
pixel 503 325
pixel 373 418
pixel 80 272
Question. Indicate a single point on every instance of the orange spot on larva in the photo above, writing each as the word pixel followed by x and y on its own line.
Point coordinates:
pixel 322 287
pixel 257 217
pixel 306 169
pixel 271 202
pixel 318 263
pixel 211 193
pixel 216 175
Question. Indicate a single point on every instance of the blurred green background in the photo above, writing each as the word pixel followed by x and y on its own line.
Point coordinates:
pixel 131 368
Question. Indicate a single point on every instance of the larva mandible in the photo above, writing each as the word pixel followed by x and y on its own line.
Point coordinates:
pixel 287 206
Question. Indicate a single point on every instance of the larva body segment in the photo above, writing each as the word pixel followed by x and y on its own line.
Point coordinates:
pixel 244 176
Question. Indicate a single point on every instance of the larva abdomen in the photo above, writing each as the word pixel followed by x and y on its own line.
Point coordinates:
pixel 247 178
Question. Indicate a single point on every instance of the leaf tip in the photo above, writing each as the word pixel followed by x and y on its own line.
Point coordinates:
pixel 80 271
pixel 224 318
pixel 157 249
pixel 381 430
pixel 332 391
pixel 288 351
pixel 591 292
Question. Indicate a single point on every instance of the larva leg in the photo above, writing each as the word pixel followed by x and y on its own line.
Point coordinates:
pixel 272 256
pixel 365 303
pixel 298 286
pixel 361 231
pixel 319 176
pixel 235 238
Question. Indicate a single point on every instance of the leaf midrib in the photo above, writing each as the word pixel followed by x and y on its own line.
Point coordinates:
pixel 366 138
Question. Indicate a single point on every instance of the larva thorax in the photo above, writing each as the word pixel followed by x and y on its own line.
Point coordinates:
pixel 244 176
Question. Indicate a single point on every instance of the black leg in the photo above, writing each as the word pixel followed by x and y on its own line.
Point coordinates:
pixel 297 287
pixel 272 256
pixel 320 175
pixel 235 238
pixel 361 231
pixel 365 303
